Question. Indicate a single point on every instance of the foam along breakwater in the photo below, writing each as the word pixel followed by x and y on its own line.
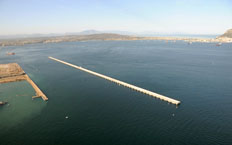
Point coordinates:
pixel 153 94
pixel 12 72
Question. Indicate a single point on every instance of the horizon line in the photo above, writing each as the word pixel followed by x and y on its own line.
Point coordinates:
pixel 112 31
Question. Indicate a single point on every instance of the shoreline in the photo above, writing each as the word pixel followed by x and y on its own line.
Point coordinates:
pixel 105 37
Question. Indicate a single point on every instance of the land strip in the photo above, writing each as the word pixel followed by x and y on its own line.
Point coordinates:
pixel 12 72
pixel 104 37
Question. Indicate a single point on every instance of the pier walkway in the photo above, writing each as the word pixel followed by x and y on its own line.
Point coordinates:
pixel 153 94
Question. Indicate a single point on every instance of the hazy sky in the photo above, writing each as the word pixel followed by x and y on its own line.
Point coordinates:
pixel 60 16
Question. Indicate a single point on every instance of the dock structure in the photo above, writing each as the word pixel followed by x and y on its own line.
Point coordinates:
pixel 12 72
pixel 38 92
pixel 153 94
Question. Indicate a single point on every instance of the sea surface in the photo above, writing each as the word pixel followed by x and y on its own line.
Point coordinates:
pixel 86 110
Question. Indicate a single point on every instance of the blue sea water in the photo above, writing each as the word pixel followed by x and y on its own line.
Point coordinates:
pixel 101 112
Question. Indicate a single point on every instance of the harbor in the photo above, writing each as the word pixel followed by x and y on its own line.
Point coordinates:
pixel 12 72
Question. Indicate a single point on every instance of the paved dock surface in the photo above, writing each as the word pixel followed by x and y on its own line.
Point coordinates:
pixel 153 94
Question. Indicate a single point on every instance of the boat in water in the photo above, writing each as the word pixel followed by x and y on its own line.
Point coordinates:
pixel 10 53
pixel 218 44
pixel 3 103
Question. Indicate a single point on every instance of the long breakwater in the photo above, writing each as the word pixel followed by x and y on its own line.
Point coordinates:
pixel 153 94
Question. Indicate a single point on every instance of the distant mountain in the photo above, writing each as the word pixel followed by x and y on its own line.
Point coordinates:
pixel 85 32
pixel 227 34
pixel 92 31
pixel 89 32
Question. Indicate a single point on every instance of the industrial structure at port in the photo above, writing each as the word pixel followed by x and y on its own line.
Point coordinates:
pixel 12 72
pixel 153 94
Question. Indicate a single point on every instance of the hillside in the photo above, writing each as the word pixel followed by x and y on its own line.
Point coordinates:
pixel 67 38
pixel 227 34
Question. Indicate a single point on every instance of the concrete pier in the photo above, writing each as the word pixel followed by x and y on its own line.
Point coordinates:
pixel 39 93
pixel 153 94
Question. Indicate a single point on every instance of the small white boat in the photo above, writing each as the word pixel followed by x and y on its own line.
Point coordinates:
pixel 218 44
pixel 3 103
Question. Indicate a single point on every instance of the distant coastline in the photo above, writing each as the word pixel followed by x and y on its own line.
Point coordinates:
pixel 105 37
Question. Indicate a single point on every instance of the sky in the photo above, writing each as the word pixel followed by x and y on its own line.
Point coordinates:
pixel 162 16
